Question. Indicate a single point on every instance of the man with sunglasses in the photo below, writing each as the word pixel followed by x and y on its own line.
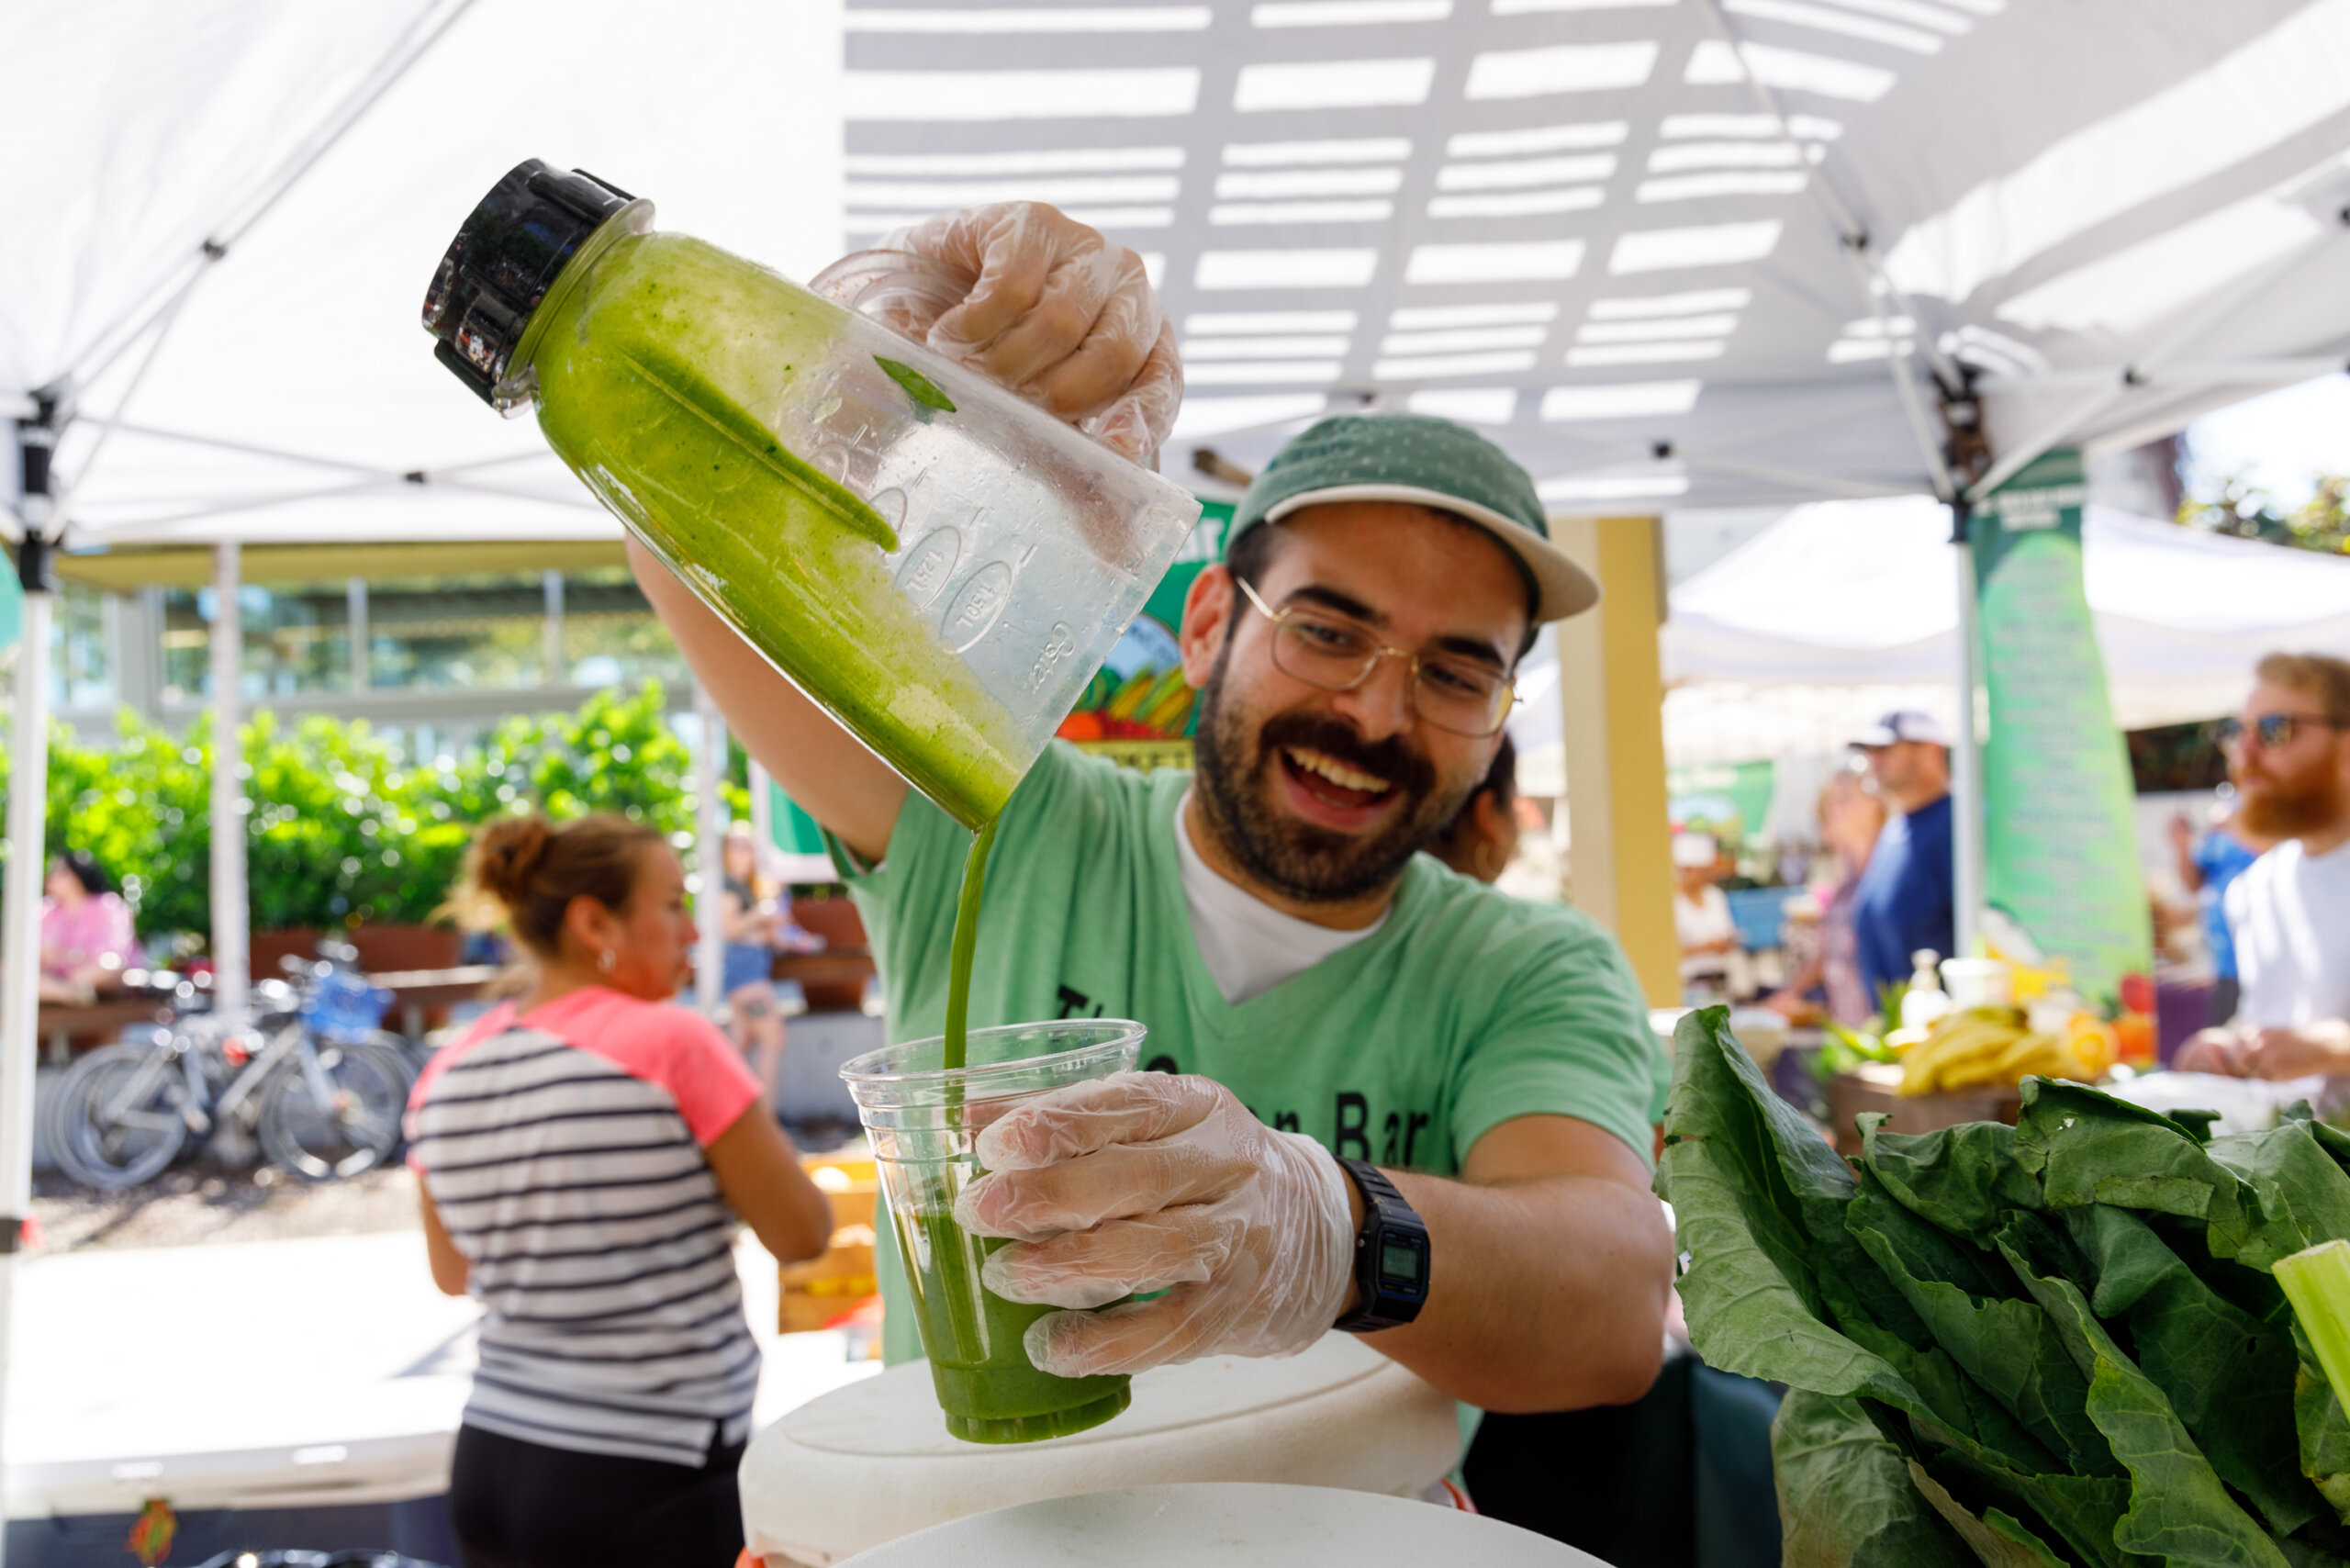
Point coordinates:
pixel 1383 1098
pixel 2289 911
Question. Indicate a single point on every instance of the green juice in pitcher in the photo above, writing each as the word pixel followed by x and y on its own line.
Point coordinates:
pixel 937 564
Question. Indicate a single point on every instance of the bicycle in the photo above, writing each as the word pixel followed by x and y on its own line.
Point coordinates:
pixel 312 1081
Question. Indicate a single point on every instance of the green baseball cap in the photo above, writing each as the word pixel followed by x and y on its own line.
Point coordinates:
pixel 1435 463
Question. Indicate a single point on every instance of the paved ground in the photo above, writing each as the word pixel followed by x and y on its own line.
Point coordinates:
pixel 211 1203
pixel 221 1339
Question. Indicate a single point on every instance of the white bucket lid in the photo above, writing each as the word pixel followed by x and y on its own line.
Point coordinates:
pixel 873 1462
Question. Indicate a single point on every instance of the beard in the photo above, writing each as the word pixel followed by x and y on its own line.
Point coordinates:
pixel 1235 779
pixel 2279 808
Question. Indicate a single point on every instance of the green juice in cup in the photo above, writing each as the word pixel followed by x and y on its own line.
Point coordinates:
pixel 989 1390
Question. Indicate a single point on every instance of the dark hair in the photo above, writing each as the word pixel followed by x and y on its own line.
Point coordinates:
pixel 86 870
pixel 526 871
pixel 1500 782
pixel 1248 556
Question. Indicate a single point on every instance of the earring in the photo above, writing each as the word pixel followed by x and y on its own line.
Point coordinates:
pixel 605 960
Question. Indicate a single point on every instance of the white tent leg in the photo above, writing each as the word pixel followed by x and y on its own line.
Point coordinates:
pixel 231 966
pixel 1967 770
pixel 20 907
pixel 19 1042
pixel 711 818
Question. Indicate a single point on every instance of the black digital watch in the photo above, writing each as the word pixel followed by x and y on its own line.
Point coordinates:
pixel 1391 1255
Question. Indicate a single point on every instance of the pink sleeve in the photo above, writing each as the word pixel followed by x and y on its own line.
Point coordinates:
pixel 119 939
pixel 701 1068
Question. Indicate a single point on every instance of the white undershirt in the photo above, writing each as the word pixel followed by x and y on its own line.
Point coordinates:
pixel 1249 945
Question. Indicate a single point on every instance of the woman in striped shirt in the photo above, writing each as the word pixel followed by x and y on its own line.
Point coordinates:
pixel 579 1153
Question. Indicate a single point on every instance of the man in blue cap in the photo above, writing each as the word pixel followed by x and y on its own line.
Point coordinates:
pixel 1906 901
pixel 1384 1098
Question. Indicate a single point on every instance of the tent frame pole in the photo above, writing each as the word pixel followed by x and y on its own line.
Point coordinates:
pixel 1968 820
pixel 231 945
pixel 711 820
pixel 20 910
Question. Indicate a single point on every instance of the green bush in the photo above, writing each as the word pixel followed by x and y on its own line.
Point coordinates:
pixel 341 829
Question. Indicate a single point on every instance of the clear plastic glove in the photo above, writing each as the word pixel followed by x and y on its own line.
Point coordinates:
pixel 1142 1182
pixel 1037 300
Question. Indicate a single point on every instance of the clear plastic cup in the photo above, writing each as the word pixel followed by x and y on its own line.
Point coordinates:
pixel 923 1120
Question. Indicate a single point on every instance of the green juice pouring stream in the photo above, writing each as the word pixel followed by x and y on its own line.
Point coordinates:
pixel 940 567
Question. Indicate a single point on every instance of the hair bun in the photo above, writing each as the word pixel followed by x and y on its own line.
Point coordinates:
pixel 508 856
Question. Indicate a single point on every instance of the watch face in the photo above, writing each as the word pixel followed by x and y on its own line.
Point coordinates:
pixel 1403 1263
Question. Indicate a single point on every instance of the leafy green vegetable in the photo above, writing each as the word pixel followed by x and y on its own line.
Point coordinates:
pixel 2057 1343
pixel 1999 1540
pixel 1845 1497
pixel 2227 1374
pixel 920 387
pixel 1964 1179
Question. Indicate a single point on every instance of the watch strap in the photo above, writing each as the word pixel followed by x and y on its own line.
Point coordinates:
pixel 1386 1216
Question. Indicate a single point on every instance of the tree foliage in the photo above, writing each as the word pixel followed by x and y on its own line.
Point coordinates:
pixel 2244 511
pixel 341 827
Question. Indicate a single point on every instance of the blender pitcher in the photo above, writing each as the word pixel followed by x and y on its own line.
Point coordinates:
pixel 937 564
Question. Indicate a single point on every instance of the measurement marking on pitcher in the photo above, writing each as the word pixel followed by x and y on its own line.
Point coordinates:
pixel 973 614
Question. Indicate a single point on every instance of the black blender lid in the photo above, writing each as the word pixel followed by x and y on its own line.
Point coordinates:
pixel 505 258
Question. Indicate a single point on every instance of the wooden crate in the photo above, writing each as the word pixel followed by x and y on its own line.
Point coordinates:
pixel 823 1288
pixel 1876 1086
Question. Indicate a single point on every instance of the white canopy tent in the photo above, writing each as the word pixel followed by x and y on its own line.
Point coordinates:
pixel 1864 595
pixel 1718 249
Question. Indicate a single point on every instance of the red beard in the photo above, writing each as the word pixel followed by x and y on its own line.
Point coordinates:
pixel 2278 809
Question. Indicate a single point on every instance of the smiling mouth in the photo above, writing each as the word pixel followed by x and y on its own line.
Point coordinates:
pixel 1330 780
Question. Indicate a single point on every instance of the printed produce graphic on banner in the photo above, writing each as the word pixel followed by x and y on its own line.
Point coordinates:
pixel 2061 852
pixel 1139 708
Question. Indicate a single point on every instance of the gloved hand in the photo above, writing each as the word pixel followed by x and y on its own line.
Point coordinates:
pixel 1044 305
pixel 1139 1182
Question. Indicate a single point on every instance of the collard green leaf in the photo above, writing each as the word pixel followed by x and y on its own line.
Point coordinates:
pixel 2300 1195
pixel 1997 1539
pixel 2082 1510
pixel 2330 1139
pixel 1751 1293
pixel 1845 1496
pixel 1964 1179
pixel 2227 1374
pixel 2088 1148
pixel 2179 1510
pixel 2002 1340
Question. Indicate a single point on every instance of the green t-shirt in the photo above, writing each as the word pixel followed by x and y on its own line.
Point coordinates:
pixel 1464 1009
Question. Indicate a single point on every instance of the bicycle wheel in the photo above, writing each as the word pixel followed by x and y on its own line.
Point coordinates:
pixel 117 1121
pixel 356 1125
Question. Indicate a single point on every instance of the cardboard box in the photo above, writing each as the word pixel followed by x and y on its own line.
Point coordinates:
pixel 822 1289
pixel 1876 1086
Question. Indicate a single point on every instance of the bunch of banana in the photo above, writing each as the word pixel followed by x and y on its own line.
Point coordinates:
pixel 1980 1046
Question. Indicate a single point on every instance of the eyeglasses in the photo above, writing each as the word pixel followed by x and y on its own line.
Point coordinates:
pixel 2275 732
pixel 1456 695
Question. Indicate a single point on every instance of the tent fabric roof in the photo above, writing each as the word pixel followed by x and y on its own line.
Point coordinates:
pixel 1627 235
pixel 1865 593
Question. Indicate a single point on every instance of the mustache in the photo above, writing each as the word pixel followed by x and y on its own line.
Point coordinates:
pixel 1403 766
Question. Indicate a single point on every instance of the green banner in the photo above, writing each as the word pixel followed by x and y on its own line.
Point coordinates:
pixel 2060 846
pixel 1729 800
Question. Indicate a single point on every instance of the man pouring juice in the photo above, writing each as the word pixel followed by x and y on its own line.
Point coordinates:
pixel 1378 1097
